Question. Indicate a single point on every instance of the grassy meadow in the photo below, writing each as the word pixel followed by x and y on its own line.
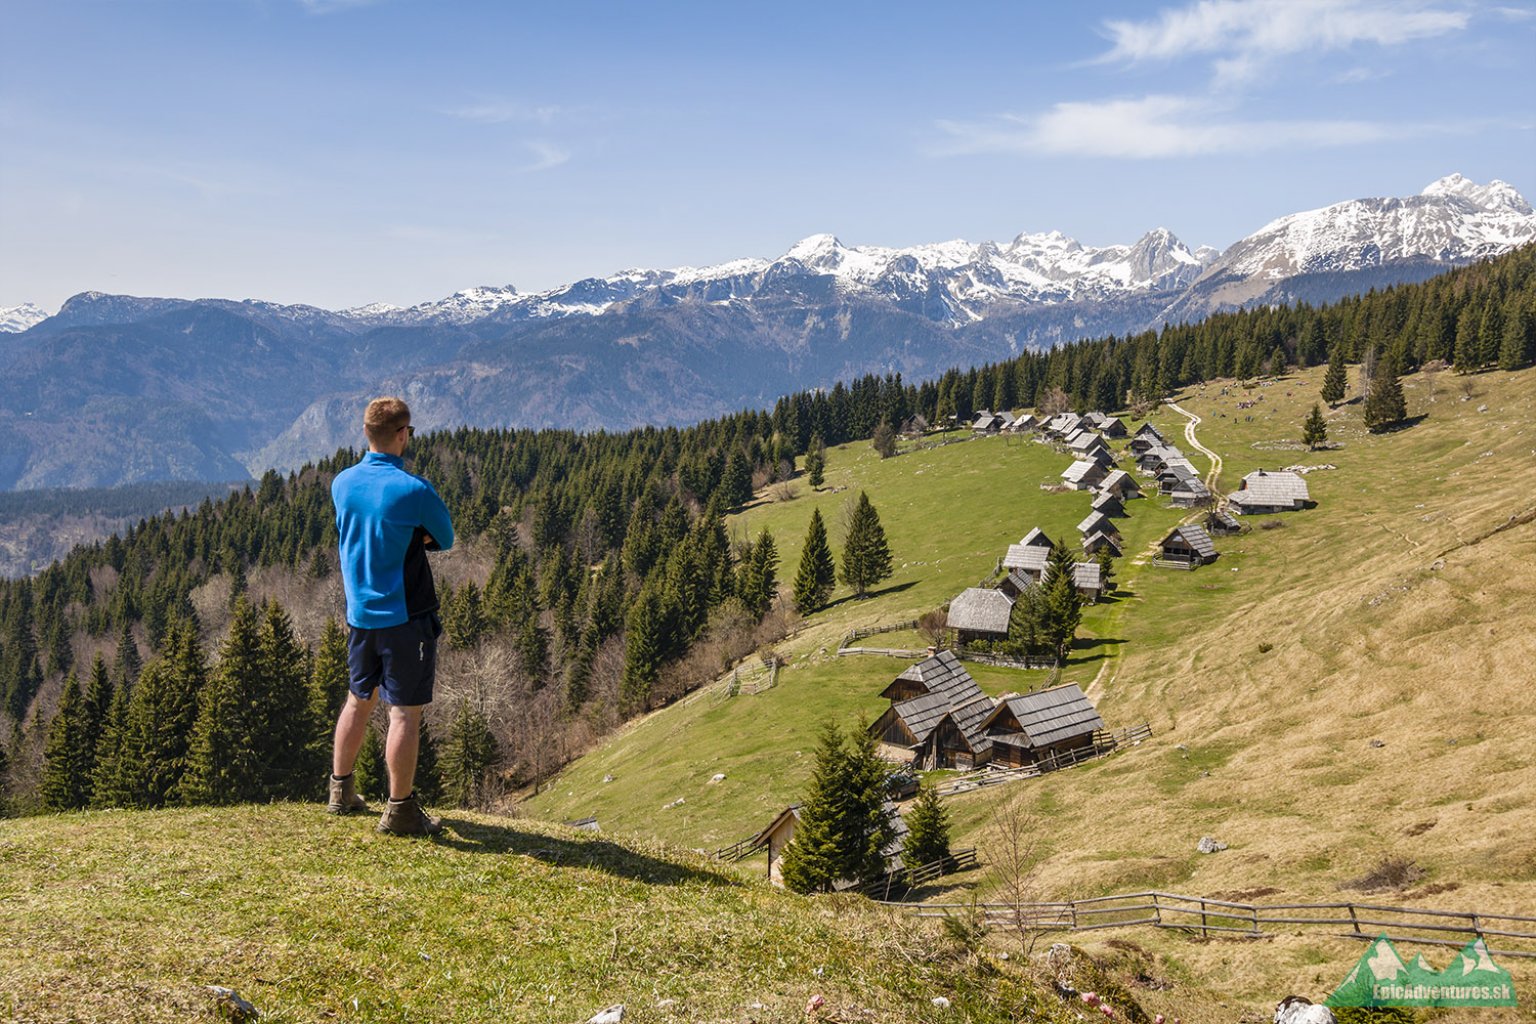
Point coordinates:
pixel 1400 610
pixel 129 916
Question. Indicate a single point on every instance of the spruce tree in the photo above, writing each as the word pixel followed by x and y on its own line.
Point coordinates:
pixel 1314 431
pixel 99 694
pixel 735 480
pixel 927 830
pixel 283 725
pixel 866 556
pixel 642 650
pixel 1106 560
pixel 811 861
pixel 817 574
pixel 224 759
pixel 66 781
pixel 1334 380
pixel 370 770
pixel 1026 622
pixel 327 692
pixel 466 755
pixel 161 714
pixel 758 582
pixel 127 664
pixel 108 785
pixel 1518 344
pixel 868 829
pixel 1384 404
pixel 429 781
pixel 816 463
pixel 1062 606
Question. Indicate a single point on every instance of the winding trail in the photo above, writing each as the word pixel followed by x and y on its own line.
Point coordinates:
pixel 1194 442
pixel 1093 689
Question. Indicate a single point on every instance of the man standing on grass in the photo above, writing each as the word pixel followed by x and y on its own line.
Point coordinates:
pixel 387 520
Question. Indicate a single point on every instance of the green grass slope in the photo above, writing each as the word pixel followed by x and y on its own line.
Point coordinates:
pixel 1400 610
pixel 127 916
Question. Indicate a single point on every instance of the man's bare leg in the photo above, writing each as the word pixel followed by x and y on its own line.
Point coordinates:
pixel 351 730
pixel 401 748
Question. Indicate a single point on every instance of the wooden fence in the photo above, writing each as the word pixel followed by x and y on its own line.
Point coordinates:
pixel 1104 742
pixel 742 849
pixel 1001 661
pixel 904 880
pixel 1515 936
pixel 1168 563
pixel 844 645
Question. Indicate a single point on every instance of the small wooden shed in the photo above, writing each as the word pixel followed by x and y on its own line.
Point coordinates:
pixel 1109 504
pixel 1084 474
pixel 978 613
pixel 1096 542
pixel 1026 729
pixel 1263 492
pixel 1121 484
pixel 1188 545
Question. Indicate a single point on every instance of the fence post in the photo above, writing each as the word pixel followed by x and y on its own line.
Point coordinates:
pixel 1477 928
pixel 1157 910
pixel 1255 910
pixel 1354 920
pixel 1203 933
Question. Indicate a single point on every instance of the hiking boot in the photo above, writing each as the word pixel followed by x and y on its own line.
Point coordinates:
pixel 345 799
pixel 406 818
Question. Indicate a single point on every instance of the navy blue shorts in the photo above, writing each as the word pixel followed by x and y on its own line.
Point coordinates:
pixel 401 659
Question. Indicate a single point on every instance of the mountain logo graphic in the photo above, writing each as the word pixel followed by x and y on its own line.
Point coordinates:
pixel 1382 978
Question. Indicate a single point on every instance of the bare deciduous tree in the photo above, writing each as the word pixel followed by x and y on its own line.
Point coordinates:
pixel 1012 847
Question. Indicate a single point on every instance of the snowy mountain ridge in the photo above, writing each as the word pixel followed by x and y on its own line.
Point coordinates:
pixel 1452 220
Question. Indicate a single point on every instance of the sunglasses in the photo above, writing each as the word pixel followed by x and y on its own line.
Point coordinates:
pixel 410 431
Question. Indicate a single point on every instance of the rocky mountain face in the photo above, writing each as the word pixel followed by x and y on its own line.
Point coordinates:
pixel 115 389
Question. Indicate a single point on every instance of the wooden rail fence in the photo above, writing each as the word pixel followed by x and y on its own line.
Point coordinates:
pixel 904 880
pixel 1104 742
pixel 742 849
pixel 1515 935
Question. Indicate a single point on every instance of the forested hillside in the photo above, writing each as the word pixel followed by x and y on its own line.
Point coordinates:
pixel 595 580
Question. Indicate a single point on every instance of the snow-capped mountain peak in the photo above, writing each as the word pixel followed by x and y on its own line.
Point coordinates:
pixel 15 319
pixel 1496 195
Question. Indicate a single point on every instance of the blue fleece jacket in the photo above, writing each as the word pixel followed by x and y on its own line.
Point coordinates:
pixel 382 514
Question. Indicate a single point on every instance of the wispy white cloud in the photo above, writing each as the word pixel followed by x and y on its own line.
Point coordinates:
pixel 545 155
pixel 1360 74
pixel 1155 127
pixel 1243 36
pixel 334 6
pixel 504 111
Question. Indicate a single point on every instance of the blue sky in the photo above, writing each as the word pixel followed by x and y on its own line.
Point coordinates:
pixel 338 152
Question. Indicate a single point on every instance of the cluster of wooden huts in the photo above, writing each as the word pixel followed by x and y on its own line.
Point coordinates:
pixel 939 718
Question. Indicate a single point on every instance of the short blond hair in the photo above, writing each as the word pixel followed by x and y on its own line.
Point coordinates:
pixel 384 418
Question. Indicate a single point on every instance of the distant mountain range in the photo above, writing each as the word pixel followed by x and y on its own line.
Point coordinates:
pixel 115 389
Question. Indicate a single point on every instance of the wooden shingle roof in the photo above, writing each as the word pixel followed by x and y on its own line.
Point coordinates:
pixel 1109 503
pixel 1029 557
pixel 1095 541
pixel 1037 538
pixel 1117 481
pixel 943 674
pixel 1196 538
pixel 1148 430
pixel 1080 471
pixel 980 610
pixel 1096 522
pixel 1050 716
pixel 1269 489
pixel 1086 576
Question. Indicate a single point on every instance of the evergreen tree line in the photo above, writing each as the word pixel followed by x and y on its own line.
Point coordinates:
pixel 254 726
pixel 600 536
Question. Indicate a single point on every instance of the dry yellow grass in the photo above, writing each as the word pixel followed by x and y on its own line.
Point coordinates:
pixel 1402 610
